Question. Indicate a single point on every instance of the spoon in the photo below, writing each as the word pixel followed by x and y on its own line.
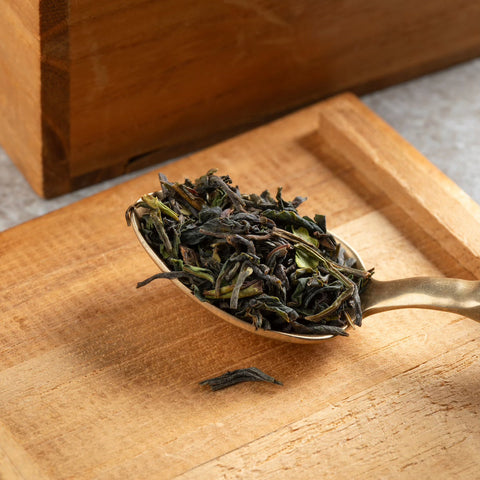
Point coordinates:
pixel 445 294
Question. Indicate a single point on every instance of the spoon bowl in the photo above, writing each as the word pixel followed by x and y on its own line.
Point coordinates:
pixel 218 312
pixel 444 294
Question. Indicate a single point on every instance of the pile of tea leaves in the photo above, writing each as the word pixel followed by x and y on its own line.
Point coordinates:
pixel 253 256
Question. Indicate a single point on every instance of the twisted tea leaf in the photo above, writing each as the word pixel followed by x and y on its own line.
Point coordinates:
pixel 238 376
pixel 252 255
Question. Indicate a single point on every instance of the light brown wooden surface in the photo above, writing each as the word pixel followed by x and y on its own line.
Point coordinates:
pixel 422 190
pixel 119 85
pixel 20 105
pixel 100 380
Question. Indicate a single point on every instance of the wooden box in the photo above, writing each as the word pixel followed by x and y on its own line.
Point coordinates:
pixel 90 90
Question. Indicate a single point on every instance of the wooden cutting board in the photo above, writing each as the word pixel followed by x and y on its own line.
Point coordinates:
pixel 100 380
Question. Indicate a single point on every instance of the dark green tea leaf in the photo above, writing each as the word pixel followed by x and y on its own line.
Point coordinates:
pixel 252 255
pixel 238 376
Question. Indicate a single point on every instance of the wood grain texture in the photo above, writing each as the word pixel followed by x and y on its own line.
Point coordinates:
pixel 114 86
pixel 15 463
pixel 100 380
pixel 169 76
pixel 35 91
pixel 369 434
pixel 55 96
pixel 20 105
pixel 407 175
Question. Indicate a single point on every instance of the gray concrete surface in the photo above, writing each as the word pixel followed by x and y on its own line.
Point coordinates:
pixel 438 113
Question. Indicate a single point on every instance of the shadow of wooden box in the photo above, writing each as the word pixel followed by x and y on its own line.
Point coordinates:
pixel 90 90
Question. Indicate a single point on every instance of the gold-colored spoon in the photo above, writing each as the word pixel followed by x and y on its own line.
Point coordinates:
pixel 446 294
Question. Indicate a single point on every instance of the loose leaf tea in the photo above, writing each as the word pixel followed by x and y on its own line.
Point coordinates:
pixel 238 376
pixel 253 256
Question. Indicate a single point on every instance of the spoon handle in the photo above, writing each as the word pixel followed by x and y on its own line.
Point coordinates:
pixel 447 294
